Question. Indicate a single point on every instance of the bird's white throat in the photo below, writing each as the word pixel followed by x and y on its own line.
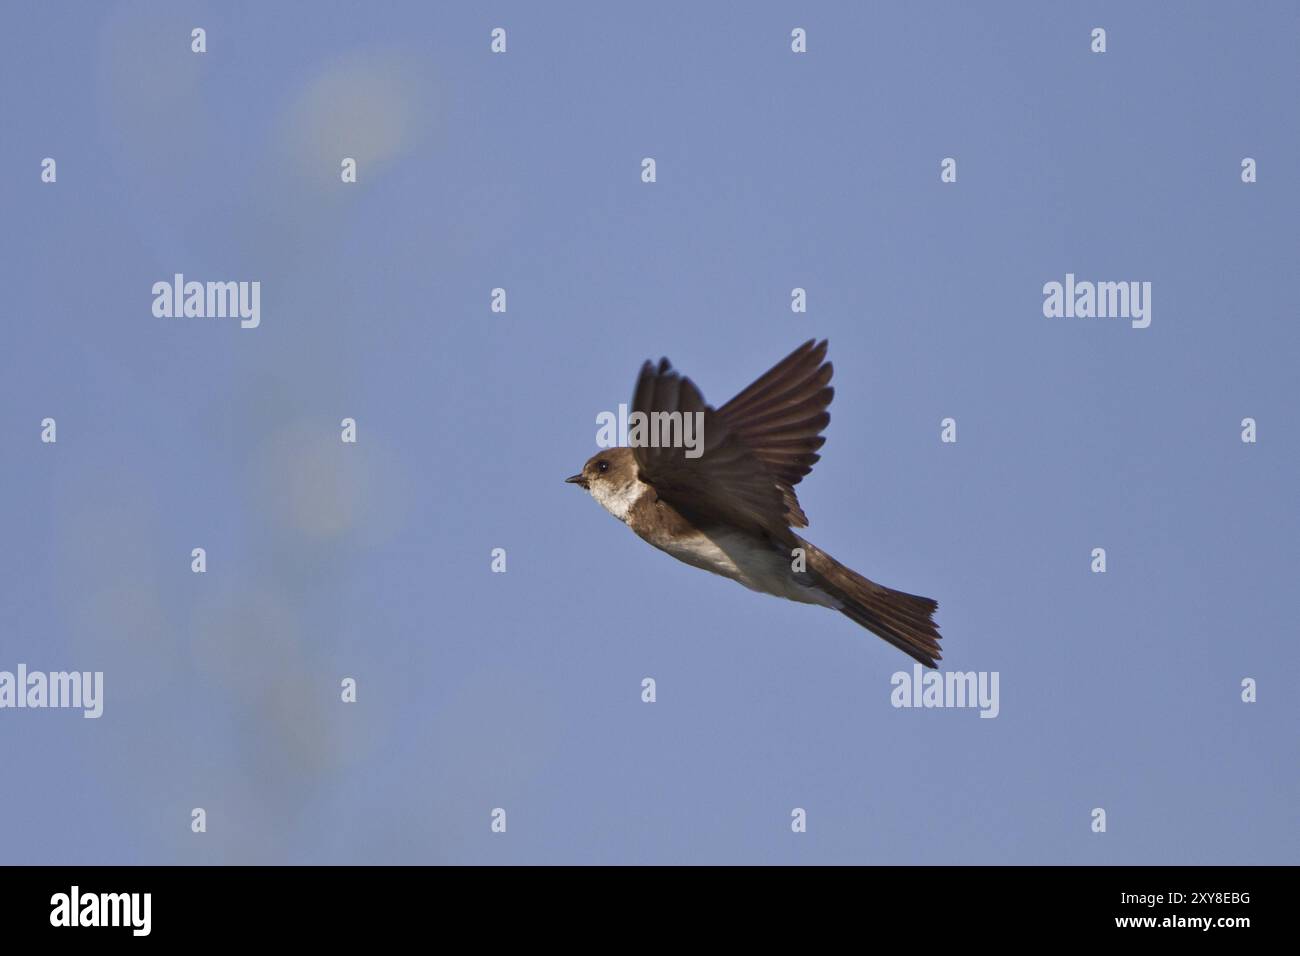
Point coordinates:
pixel 619 500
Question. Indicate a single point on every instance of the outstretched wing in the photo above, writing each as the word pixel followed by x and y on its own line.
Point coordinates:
pixel 780 418
pixel 755 448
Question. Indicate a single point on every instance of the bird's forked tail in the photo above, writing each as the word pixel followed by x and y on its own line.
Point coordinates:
pixel 904 620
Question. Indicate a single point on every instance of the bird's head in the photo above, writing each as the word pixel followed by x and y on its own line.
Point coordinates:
pixel 611 477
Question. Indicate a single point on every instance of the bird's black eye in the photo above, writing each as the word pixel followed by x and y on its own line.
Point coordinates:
pixel 602 466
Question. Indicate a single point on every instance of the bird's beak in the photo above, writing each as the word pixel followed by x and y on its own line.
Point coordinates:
pixel 577 480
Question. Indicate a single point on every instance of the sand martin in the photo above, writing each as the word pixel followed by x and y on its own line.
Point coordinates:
pixel 730 508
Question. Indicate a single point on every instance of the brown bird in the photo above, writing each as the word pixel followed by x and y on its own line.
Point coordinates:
pixel 727 503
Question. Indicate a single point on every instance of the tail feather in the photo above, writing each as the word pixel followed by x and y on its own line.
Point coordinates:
pixel 904 620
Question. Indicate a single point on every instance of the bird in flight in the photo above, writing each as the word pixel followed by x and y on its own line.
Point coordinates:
pixel 729 506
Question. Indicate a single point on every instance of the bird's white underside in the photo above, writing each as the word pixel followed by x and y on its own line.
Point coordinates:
pixel 732 554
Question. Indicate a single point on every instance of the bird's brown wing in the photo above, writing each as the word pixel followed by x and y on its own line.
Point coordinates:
pixel 781 416
pixel 755 448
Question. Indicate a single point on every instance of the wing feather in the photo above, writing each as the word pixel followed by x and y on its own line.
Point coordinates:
pixel 756 448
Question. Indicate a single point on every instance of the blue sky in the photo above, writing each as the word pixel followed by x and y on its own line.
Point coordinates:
pixel 522 690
